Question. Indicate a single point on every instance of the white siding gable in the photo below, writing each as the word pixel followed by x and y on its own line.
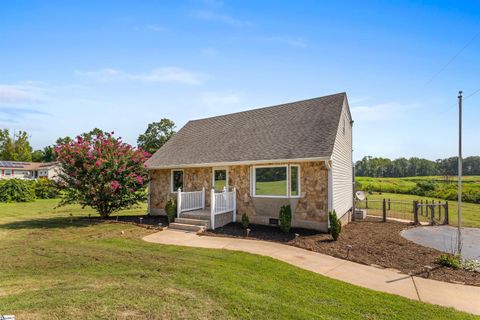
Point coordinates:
pixel 342 173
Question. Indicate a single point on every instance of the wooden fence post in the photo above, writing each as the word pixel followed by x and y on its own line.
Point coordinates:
pixel 366 203
pixel 415 212
pixel 421 207
pixel 432 213
pixel 439 210
pixel 446 221
pixel 388 204
pixel 384 217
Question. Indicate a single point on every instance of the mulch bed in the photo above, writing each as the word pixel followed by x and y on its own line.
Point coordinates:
pixel 372 243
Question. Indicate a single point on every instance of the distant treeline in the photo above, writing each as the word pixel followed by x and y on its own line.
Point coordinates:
pixel 402 167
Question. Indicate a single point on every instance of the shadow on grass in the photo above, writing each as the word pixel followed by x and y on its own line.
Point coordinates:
pixel 51 223
pixel 81 222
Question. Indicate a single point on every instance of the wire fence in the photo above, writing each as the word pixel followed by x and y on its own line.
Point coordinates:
pixel 415 211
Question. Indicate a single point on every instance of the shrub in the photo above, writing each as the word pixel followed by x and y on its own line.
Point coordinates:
pixel 285 218
pixel 471 265
pixel 46 189
pixel 171 210
pixel 245 220
pixel 448 260
pixel 16 190
pixel 102 172
pixel 423 188
pixel 335 225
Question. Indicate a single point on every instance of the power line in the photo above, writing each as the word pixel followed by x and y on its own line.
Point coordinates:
pixel 472 94
pixel 452 59
pixel 455 104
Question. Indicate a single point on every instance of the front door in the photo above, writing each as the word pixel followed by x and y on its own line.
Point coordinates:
pixel 219 178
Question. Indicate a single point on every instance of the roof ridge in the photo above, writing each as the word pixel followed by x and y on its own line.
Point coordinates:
pixel 269 107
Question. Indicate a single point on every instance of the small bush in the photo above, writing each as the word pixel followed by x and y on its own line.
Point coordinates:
pixel 423 188
pixel 335 225
pixel 471 265
pixel 16 190
pixel 285 218
pixel 448 260
pixel 46 189
pixel 245 221
pixel 171 210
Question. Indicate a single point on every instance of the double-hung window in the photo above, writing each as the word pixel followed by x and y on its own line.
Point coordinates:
pixel 220 179
pixel 282 181
pixel 177 180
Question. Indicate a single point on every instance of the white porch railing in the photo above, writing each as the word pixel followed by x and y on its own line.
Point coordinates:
pixel 222 202
pixel 188 201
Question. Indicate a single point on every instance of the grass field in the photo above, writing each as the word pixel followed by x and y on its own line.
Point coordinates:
pixel 56 269
pixel 470 211
pixel 444 188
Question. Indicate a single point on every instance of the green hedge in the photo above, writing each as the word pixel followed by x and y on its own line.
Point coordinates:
pixel 18 190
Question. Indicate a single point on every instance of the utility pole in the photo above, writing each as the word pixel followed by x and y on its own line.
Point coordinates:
pixel 459 240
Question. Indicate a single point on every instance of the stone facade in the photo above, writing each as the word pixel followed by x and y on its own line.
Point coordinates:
pixel 309 210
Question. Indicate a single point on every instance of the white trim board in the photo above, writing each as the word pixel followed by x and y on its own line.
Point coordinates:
pixel 239 163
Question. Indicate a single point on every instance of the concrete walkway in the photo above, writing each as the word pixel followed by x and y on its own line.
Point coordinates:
pixel 444 238
pixel 461 297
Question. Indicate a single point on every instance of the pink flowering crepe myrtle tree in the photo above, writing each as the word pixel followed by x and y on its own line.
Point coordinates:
pixel 103 173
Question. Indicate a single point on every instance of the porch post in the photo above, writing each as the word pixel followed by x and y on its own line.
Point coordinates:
pixel 234 204
pixel 212 209
pixel 203 198
pixel 179 201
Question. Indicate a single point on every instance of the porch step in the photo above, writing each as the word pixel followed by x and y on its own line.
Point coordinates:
pixel 197 215
pixel 187 227
pixel 195 222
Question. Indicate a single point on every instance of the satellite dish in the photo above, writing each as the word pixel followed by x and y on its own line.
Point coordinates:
pixel 360 195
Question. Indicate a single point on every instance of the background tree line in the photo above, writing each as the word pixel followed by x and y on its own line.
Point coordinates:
pixel 16 147
pixel 402 167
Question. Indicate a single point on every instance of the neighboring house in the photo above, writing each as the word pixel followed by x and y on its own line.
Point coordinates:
pixel 28 170
pixel 254 162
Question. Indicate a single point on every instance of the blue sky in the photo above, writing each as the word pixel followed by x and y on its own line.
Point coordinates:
pixel 69 66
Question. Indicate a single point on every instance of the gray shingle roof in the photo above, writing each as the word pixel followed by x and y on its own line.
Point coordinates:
pixel 302 129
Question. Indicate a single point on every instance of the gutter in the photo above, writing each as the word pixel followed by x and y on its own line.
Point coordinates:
pixel 238 163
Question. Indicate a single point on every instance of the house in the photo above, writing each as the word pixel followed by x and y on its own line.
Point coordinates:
pixel 28 170
pixel 254 162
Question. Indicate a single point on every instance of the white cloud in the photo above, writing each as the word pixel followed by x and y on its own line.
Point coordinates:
pixel 222 18
pixel 161 75
pixel 291 41
pixel 380 111
pixel 20 94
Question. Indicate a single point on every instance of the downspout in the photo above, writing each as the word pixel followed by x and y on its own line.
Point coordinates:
pixel 149 193
pixel 328 164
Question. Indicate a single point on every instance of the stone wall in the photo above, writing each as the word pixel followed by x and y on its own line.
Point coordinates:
pixel 309 210
pixel 160 185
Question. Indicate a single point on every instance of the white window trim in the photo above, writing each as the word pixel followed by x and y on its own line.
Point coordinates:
pixel 254 180
pixel 219 169
pixel 288 193
pixel 299 181
pixel 171 179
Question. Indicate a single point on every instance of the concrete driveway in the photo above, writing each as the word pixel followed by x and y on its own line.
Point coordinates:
pixel 444 238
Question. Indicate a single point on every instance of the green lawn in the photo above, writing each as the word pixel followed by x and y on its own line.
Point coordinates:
pixel 56 269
